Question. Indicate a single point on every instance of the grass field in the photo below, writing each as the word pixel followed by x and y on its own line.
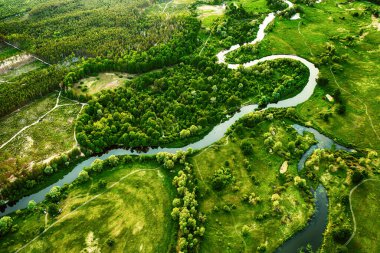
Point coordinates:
pixel 51 136
pixel 367 212
pixel 337 24
pixel 21 70
pixel 227 213
pixel 133 210
pixel 7 51
pixel 103 81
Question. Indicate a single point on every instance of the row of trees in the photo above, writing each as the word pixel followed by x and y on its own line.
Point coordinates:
pixel 185 211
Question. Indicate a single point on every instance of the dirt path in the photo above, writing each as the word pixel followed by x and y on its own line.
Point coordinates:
pixel 361 101
pixel 57 105
pixel 85 203
pixel 352 211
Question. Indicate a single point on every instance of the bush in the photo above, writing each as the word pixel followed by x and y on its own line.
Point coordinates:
pixel 6 223
pixel 221 178
pixel 83 176
pixel 245 230
pixel 246 147
pixel 53 209
pixel 341 234
pixel 54 195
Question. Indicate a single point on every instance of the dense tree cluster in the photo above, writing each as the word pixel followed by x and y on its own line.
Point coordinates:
pixel 54 30
pixel 24 88
pixel 186 100
pixel 234 29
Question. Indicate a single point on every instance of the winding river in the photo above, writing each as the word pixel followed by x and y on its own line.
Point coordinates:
pixel 313 231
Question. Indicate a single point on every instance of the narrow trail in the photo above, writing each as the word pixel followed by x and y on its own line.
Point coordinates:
pixel 352 211
pixel 304 39
pixel 85 203
pixel 56 106
pixel 166 6
pixel 238 233
pixel 358 99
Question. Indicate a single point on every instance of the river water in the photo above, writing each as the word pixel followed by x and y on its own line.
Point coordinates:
pixel 312 233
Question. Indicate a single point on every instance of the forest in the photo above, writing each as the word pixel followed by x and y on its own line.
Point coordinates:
pixel 255 181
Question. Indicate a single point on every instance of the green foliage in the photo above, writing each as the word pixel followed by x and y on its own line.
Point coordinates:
pixel 32 205
pixel 143 114
pixel 185 211
pixel 54 194
pixel 221 178
pixel 5 225
pixel 83 177
pixel 246 147
pixel 341 234
pixel 53 209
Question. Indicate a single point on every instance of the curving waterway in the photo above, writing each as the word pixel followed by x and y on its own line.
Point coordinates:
pixel 312 233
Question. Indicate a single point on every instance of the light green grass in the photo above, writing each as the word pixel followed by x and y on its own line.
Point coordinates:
pixel 7 51
pixel 366 207
pixel 25 68
pixel 52 136
pixel 103 81
pixel 358 80
pixel 26 115
pixel 223 229
pixel 133 210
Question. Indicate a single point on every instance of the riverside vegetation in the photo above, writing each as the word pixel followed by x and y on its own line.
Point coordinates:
pixel 140 74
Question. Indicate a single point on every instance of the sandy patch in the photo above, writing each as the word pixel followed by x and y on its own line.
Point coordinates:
pixel 92 244
pixel 15 61
pixel 138 227
pixel 112 84
pixel 208 10
pixel 29 143
pixel 375 23
pixel 284 167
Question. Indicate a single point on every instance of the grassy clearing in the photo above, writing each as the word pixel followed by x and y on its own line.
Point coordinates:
pixel 228 215
pixel 367 211
pixel 7 51
pixel 12 123
pixel 104 81
pixel 335 23
pixel 24 68
pixel 134 213
pixel 208 14
pixel 52 136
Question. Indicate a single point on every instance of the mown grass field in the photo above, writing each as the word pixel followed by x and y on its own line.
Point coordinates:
pixel 224 228
pixel 103 81
pixel 367 212
pixel 51 136
pixel 133 210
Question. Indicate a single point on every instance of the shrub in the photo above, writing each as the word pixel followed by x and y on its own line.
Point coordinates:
pixel 245 230
pixel 246 147
pixel 221 178
pixel 341 234
pixel 6 223
pixel 54 195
